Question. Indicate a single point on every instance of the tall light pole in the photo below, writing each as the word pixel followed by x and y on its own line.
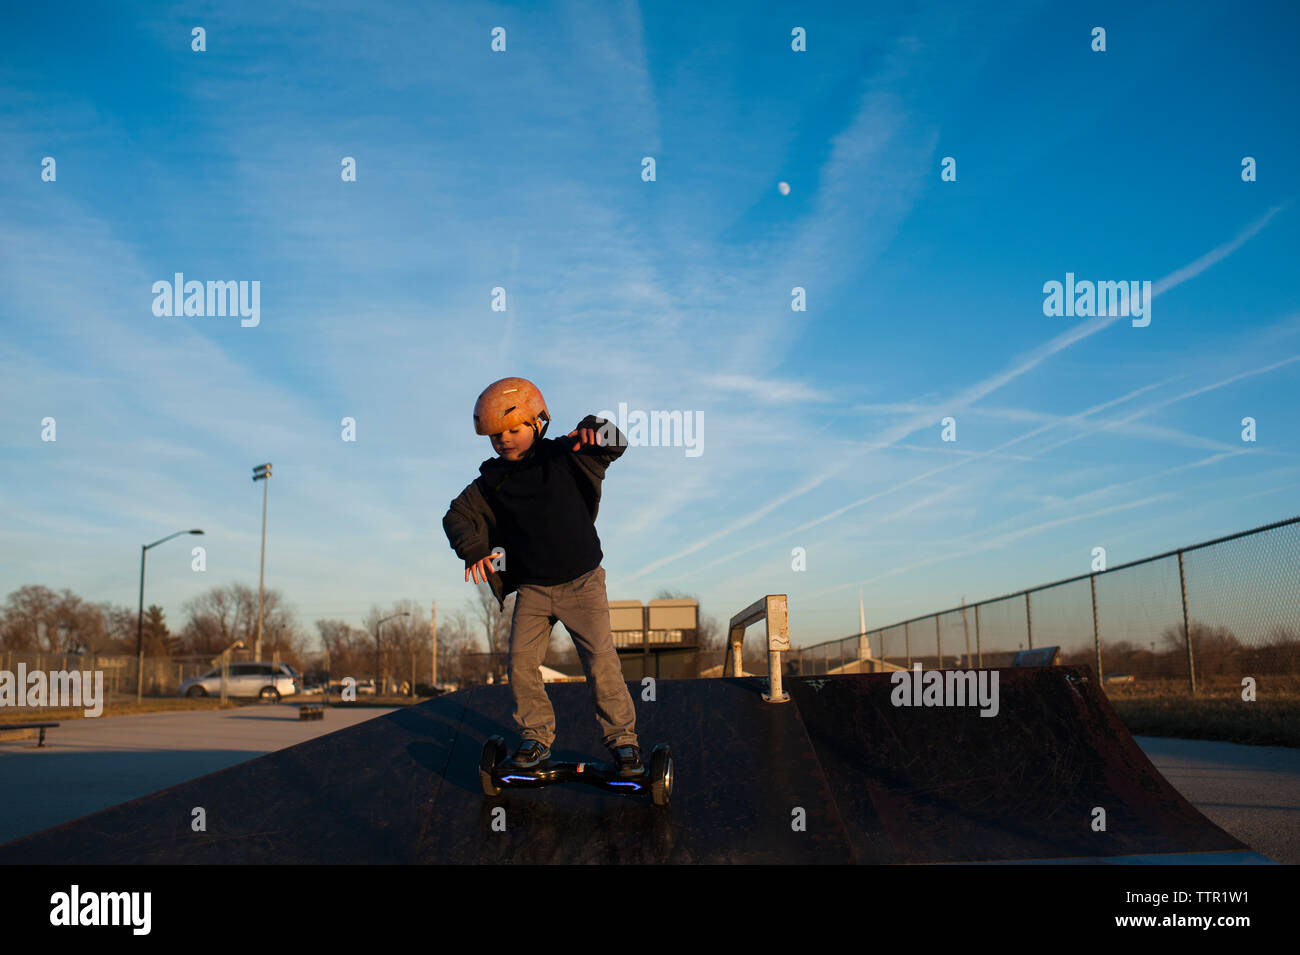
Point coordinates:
pixel 261 473
pixel 377 650
pixel 139 617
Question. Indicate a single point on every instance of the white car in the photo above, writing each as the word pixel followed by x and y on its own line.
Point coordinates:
pixel 264 680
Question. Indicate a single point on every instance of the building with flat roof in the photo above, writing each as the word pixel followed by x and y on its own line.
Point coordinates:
pixel 659 640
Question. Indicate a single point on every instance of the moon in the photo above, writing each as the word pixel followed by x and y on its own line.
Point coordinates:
pixel 783 188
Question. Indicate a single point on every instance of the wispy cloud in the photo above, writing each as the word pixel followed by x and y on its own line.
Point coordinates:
pixel 767 391
pixel 962 400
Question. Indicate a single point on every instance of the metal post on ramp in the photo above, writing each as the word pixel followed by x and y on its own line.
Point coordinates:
pixel 774 610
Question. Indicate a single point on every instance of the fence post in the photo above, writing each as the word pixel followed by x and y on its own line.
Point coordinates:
pixel 907 637
pixel 979 649
pixel 938 641
pixel 965 629
pixel 1029 621
pixel 1187 630
pixel 1096 632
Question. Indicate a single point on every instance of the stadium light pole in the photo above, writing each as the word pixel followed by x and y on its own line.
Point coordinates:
pixel 377 650
pixel 261 473
pixel 139 617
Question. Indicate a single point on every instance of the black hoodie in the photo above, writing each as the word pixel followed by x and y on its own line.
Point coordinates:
pixel 541 510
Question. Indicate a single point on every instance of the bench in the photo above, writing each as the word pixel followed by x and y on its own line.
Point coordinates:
pixel 311 711
pixel 11 731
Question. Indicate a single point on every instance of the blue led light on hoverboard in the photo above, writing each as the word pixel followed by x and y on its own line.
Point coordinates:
pixel 614 782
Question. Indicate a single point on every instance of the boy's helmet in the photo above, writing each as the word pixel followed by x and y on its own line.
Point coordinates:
pixel 508 403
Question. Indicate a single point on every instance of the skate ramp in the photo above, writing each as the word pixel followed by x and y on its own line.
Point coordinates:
pixel 944 784
pixel 836 775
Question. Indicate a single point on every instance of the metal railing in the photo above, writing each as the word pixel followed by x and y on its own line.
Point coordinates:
pixel 773 610
pixel 1206 615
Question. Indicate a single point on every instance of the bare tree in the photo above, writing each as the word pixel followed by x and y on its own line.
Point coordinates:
pixel 1215 649
pixel 403 639
pixel 495 622
pixel 119 626
pixel 456 644
pixel 351 651
pixel 36 619
pixel 29 618
pixel 225 614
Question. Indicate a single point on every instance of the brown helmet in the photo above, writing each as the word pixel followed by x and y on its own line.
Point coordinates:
pixel 508 403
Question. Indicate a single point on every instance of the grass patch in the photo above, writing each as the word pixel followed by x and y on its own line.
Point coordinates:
pixel 126 706
pixel 1271 722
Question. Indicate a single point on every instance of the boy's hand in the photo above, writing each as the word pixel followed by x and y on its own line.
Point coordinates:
pixel 479 567
pixel 585 436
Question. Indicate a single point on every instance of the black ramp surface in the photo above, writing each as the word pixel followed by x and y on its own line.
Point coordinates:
pixel 742 768
pixel 944 784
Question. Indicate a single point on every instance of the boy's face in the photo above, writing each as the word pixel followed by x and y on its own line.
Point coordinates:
pixel 511 445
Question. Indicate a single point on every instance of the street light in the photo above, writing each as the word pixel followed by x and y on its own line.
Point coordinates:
pixel 377 650
pixel 139 617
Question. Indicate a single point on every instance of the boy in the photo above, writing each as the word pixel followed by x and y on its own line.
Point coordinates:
pixel 538 500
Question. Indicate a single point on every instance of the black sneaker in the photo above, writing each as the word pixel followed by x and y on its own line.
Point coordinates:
pixel 530 754
pixel 628 759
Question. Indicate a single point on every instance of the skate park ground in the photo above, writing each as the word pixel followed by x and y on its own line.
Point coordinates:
pixel 90 764
pixel 1252 792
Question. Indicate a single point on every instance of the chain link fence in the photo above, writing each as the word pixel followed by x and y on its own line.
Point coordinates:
pixel 162 675
pixel 1237 596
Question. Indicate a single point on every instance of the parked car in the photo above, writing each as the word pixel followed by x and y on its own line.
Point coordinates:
pixel 264 680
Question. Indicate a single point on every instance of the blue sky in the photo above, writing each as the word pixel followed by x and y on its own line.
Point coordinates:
pixel 522 170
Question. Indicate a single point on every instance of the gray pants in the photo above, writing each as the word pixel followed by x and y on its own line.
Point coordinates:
pixel 582 606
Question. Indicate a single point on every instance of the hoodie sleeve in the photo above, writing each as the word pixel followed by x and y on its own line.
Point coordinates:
pixel 601 455
pixel 466 527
